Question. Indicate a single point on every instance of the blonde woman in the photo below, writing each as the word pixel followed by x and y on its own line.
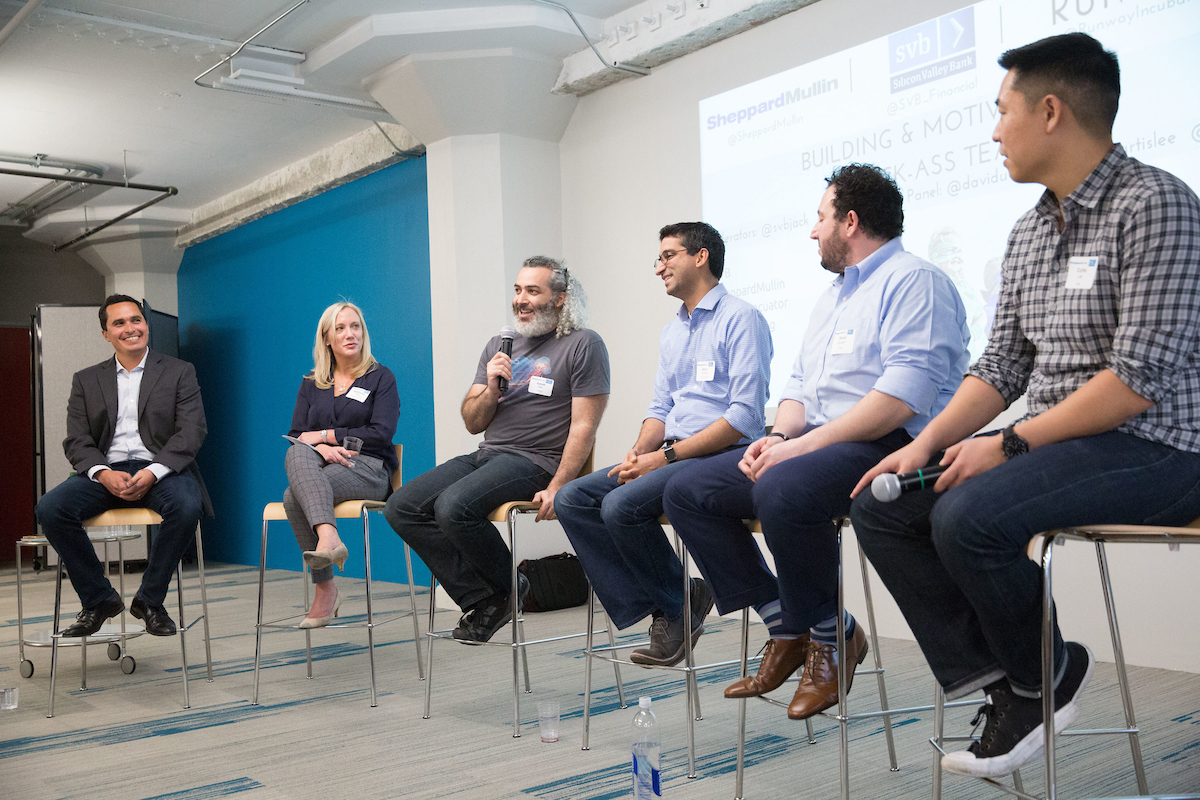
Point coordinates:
pixel 347 394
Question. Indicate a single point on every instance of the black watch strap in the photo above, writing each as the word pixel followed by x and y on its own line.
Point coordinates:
pixel 1013 445
pixel 780 434
pixel 669 452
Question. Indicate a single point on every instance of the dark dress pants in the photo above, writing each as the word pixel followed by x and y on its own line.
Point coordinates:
pixel 796 501
pixel 176 498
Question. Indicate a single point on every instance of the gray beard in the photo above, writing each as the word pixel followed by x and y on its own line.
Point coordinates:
pixel 544 320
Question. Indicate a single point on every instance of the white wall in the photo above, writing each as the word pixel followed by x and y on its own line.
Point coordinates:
pixel 631 163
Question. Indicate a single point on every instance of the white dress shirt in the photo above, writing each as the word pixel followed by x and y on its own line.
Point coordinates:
pixel 127 443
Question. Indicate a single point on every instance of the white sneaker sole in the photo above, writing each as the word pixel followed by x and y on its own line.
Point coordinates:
pixel 1028 749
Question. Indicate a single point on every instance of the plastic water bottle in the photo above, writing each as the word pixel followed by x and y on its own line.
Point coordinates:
pixel 646 753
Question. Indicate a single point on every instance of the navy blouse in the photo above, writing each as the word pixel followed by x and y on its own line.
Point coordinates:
pixel 373 419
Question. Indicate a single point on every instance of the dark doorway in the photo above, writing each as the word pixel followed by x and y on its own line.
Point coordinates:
pixel 16 473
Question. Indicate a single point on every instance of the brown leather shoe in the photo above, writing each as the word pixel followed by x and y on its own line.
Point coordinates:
pixel 781 657
pixel 818 688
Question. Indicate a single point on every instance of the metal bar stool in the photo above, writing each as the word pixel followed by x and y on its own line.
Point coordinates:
pixel 842 717
pixel 1041 550
pixel 506 513
pixel 689 668
pixel 114 636
pixel 125 517
pixel 350 509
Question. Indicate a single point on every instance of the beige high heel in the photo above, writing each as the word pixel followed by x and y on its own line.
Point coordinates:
pixel 321 622
pixel 319 559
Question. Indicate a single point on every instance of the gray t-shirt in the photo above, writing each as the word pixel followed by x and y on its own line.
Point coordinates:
pixel 534 416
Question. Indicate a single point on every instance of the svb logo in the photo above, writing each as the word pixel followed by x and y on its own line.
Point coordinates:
pixel 931 41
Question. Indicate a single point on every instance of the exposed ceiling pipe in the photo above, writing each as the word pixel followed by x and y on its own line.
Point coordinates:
pixel 28 207
pixel 261 90
pixel 40 160
pixel 166 191
pixel 16 21
pixel 619 66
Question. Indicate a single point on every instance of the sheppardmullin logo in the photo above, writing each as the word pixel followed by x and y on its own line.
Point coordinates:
pixel 785 98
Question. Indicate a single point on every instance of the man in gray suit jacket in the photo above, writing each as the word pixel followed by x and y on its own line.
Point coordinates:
pixel 134 425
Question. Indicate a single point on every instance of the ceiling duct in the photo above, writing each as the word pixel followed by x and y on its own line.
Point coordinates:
pixel 276 74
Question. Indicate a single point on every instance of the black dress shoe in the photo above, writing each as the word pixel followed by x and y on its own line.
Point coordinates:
pixel 158 621
pixel 88 621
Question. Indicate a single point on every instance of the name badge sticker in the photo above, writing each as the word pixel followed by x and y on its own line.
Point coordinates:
pixel 358 393
pixel 1081 272
pixel 843 342
pixel 542 386
pixel 706 370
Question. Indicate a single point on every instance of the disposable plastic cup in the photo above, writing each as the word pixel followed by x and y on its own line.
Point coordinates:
pixel 8 701
pixel 352 443
pixel 548 720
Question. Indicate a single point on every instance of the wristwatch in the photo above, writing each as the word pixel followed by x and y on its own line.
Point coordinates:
pixel 780 434
pixel 669 452
pixel 1013 445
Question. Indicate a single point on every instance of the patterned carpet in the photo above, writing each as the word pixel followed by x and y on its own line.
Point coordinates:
pixel 128 736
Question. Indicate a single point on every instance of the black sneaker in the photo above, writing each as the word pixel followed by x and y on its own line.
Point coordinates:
pixel 1012 733
pixel 495 612
pixel 464 624
pixel 666 636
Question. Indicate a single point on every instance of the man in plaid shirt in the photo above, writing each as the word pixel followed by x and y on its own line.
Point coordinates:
pixel 1098 325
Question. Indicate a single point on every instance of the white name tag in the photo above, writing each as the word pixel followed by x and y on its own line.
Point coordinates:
pixel 1081 272
pixel 542 386
pixel 843 342
pixel 706 370
pixel 358 393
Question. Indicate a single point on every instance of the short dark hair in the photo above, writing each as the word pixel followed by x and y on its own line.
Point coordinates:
pixel 1076 69
pixel 112 300
pixel 696 236
pixel 870 193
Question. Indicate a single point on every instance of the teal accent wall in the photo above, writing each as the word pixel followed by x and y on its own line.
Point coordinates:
pixel 249 302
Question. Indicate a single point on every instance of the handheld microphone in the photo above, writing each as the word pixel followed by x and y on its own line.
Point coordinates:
pixel 506 342
pixel 888 486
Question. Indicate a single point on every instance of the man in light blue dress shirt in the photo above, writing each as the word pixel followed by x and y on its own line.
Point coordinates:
pixel 714 368
pixel 885 349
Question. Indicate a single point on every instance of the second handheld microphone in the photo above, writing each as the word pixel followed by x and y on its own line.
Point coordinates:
pixel 888 486
pixel 506 343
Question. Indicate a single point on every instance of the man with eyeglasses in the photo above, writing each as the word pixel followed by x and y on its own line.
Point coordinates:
pixel 885 348
pixel 714 368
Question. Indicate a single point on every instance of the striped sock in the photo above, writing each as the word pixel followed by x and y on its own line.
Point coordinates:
pixel 772 616
pixel 826 632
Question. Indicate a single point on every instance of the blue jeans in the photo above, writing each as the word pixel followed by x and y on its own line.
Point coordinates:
pixel 176 498
pixel 796 501
pixel 616 534
pixel 443 515
pixel 956 562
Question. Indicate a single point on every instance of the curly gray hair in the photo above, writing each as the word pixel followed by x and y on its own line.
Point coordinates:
pixel 572 316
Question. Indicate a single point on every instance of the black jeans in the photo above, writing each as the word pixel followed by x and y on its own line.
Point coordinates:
pixel 443 515
pixel 176 498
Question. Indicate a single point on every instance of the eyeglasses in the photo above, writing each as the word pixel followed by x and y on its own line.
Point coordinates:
pixel 667 255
